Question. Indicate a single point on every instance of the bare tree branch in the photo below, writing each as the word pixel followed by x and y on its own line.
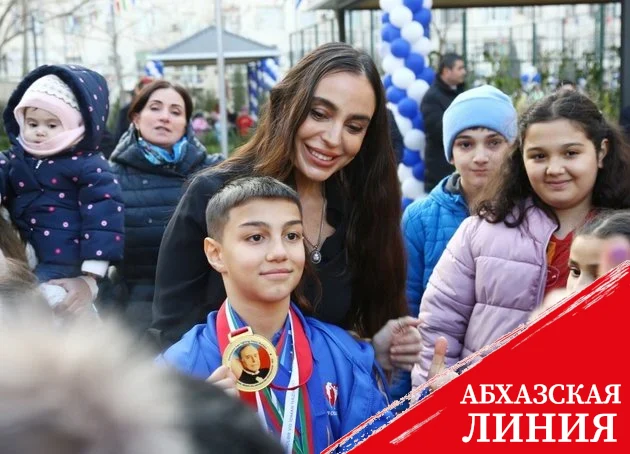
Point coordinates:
pixel 69 12
pixel 6 11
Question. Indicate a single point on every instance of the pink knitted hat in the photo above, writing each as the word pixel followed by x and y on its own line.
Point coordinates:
pixel 52 94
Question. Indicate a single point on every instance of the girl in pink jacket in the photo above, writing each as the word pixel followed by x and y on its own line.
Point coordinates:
pixel 568 162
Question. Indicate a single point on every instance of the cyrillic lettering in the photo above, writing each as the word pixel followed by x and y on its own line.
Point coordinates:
pixel 552 397
pixel 469 394
pixel 542 393
pixel 514 424
pixel 580 423
pixel 548 427
pixel 574 393
pixel 483 427
pixel 608 427
pixel 614 394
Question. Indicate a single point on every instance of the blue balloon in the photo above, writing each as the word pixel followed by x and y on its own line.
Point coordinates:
pixel 524 78
pixel 389 33
pixel 385 18
pixel 410 158
pixel 423 16
pixel 395 94
pixel 428 75
pixel 387 81
pixel 400 48
pixel 406 202
pixel 415 62
pixel 413 5
pixel 418 122
pixel 427 32
pixel 408 108
pixel 536 78
pixel 418 171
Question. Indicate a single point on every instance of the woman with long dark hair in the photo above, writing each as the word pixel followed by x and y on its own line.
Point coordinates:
pixel 325 132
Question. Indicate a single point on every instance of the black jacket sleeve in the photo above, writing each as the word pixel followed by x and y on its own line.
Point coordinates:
pixel 186 287
pixel 432 113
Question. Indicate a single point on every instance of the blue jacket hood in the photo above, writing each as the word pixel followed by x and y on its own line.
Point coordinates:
pixel 88 86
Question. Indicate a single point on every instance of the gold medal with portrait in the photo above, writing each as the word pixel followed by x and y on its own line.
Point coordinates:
pixel 253 360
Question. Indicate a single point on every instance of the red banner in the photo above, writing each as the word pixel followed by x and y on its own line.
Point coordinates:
pixel 556 385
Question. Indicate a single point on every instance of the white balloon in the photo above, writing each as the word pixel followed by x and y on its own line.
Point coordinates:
pixel 404 172
pixel 428 4
pixel 403 77
pixel 423 46
pixel 415 140
pixel 412 188
pixel 417 90
pixel 385 49
pixel 404 124
pixel 388 5
pixel 391 64
pixel 400 16
pixel 412 32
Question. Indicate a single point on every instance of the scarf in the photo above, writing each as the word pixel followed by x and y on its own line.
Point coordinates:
pixel 158 156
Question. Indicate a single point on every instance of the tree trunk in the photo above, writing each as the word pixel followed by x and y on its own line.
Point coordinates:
pixel 116 59
pixel 24 38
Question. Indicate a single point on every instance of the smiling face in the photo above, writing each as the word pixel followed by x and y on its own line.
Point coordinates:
pixel 561 163
pixel 261 252
pixel 477 154
pixel 333 131
pixel 162 121
pixel 40 125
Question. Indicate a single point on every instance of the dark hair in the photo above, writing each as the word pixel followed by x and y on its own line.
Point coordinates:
pixel 606 224
pixel 142 98
pixel 219 423
pixel 240 349
pixel 242 190
pixel 448 60
pixel 369 182
pixel 511 188
pixel 563 82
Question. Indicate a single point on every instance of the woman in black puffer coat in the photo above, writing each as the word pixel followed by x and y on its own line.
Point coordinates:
pixel 152 162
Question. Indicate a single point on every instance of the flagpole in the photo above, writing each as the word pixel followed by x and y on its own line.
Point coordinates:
pixel 221 88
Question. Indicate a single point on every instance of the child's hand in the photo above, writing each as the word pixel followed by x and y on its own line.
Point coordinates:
pixel 438 365
pixel 224 378
pixel 79 298
pixel 398 344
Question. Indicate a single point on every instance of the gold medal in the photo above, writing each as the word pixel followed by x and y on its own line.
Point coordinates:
pixel 252 358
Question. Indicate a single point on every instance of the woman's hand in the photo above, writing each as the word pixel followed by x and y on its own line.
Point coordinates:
pixel 398 344
pixel 225 379
pixel 79 298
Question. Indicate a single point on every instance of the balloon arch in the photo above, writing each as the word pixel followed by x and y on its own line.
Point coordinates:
pixel 405 50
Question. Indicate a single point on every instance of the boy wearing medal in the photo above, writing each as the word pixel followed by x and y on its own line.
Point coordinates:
pixel 321 382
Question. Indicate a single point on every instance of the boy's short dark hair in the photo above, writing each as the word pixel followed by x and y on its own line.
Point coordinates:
pixel 240 191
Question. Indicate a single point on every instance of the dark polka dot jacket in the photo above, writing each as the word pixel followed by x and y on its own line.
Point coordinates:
pixel 69 206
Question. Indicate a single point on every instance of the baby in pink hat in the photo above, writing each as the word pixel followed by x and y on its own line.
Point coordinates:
pixel 57 185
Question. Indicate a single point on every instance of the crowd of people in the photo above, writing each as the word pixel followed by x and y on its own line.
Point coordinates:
pixel 177 283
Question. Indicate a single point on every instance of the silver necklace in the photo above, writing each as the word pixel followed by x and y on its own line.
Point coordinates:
pixel 316 255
